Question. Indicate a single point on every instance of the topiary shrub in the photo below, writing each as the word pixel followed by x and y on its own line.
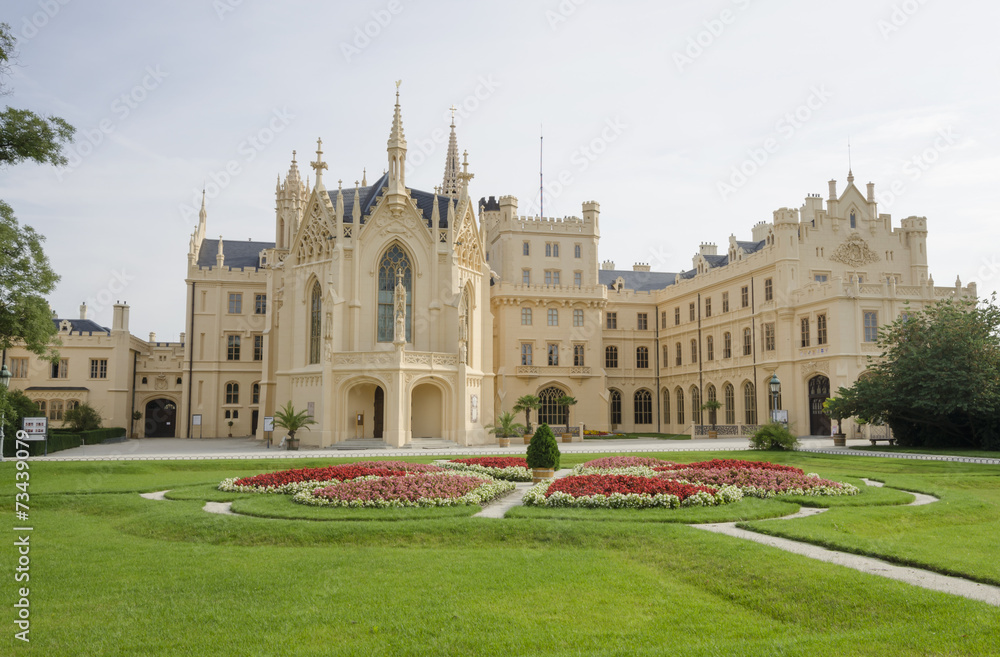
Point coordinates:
pixel 543 450
pixel 773 436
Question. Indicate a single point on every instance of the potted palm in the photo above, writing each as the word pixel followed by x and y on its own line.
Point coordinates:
pixel 543 454
pixel 291 420
pixel 712 406
pixel 136 416
pixel 230 423
pixel 567 401
pixel 526 403
pixel 837 409
pixel 505 428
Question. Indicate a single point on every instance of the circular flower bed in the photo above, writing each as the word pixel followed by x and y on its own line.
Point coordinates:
pixel 632 474
pixel 416 490
pixel 508 468
pixel 292 481
pixel 619 491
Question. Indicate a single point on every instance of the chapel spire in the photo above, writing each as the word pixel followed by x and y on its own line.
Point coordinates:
pixel 450 186
pixel 397 151
pixel 319 164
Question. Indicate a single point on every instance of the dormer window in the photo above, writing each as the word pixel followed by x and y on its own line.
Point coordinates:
pixel 65 326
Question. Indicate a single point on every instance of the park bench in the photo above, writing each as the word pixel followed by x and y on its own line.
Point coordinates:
pixel 891 440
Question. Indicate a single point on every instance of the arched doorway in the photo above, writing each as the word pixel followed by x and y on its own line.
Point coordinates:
pixel 819 392
pixel 161 419
pixel 426 405
pixel 365 411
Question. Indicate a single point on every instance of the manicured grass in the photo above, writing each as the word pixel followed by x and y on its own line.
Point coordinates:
pixel 893 449
pixel 114 574
pixel 282 506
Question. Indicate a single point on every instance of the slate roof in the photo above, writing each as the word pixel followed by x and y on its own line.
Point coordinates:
pixel 640 281
pixel 81 326
pixel 717 260
pixel 750 247
pixel 237 254
pixel 369 197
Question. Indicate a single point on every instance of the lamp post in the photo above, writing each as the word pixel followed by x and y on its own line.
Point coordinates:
pixel 5 377
pixel 775 386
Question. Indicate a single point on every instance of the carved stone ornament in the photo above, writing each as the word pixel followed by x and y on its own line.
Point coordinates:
pixel 854 252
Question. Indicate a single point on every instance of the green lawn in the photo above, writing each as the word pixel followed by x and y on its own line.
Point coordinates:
pixel 114 574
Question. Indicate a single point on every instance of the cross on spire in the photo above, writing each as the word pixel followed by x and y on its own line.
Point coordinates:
pixel 319 164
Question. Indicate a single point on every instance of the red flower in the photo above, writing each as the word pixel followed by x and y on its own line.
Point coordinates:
pixel 337 472
pixel 587 485
pixel 729 464
pixel 494 462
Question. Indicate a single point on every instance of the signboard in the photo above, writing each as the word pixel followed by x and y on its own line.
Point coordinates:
pixel 781 415
pixel 196 420
pixel 268 423
pixel 35 427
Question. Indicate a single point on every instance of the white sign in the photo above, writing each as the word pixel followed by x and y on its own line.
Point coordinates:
pixel 196 420
pixel 268 423
pixel 35 425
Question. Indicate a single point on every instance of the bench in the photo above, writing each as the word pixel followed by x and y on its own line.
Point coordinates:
pixel 890 440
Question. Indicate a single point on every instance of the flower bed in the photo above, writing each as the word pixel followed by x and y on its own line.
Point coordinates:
pixel 719 464
pixel 763 483
pixel 753 478
pixel 292 481
pixel 626 491
pixel 622 462
pixel 416 490
pixel 509 468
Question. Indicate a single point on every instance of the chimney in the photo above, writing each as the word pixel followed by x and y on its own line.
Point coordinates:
pixel 607 265
pixel 83 310
pixel 871 192
pixel 708 248
pixel 120 319
pixel 833 190
pixel 152 336
pixel 640 266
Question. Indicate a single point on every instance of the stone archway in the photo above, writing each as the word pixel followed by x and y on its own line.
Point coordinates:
pixel 365 410
pixel 819 392
pixel 426 411
pixel 160 419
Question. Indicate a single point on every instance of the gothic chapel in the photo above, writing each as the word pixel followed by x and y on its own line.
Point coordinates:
pixel 376 318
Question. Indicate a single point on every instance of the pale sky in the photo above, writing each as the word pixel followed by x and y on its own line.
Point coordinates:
pixel 646 107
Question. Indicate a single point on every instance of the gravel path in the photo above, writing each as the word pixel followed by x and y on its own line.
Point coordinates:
pixel 222 508
pixel 500 507
pixel 158 495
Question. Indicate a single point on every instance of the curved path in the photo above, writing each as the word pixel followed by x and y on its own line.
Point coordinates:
pixel 915 576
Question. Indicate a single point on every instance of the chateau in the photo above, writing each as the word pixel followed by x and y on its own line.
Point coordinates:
pixel 397 314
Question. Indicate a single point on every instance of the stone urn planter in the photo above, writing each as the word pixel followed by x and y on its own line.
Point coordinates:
pixel 527 439
pixel 292 444
pixel 504 441
pixel 839 440
pixel 538 475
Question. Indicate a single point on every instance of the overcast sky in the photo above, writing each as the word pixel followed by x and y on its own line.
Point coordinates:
pixel 650 108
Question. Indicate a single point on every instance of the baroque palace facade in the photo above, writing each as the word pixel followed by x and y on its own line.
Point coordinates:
pixel 397 314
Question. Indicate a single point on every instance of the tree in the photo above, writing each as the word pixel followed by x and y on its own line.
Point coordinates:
pixel 16 406
pixel 83 418
pixel 567 401
pixel 526 403
pixel 937 382
pixel 712 406
pixel 543 451
pixel 291 420
pixel 25 275
pixel 505 426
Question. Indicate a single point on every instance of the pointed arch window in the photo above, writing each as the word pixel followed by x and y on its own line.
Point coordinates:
pixel 854 220
pixel 315 322
pixel 729 394
pixel 616 408
pixel 552 412
pixel 749 403
pixel 394 261
pixel 643 407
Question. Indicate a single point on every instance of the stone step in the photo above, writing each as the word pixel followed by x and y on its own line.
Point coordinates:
pixel 431 443
pixel 361 443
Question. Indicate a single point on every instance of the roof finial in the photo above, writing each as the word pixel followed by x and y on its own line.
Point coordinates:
pixel 850 171
pixel 319 164
pixel 453 108
pixel 450 186
pixel 364 177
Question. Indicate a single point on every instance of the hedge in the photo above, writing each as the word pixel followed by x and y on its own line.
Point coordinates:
pixel 60 440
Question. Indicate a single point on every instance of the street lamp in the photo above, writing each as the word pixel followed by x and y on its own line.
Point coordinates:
pixel 775 386
pixel 5 377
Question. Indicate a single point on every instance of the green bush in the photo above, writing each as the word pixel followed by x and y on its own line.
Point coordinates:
pixel 773 436
pixel 543 450
pixel 83 418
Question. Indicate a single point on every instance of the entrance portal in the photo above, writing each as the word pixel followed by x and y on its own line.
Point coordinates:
pixel 161 419
pixel 379 412
pixel 426 412
pixel 819 392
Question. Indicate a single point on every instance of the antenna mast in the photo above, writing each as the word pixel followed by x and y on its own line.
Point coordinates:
pixel 541 182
